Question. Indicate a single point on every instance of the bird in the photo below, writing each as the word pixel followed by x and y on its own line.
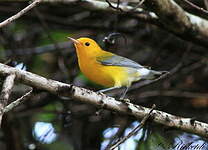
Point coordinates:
pixel 108 69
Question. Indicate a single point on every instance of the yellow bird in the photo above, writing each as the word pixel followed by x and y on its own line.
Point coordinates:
pixel 108 69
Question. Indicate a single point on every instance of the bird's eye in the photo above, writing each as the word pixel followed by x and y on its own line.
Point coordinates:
pixel 87 44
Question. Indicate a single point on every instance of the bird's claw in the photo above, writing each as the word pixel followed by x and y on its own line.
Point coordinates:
pixel 100 92
pixel 125 100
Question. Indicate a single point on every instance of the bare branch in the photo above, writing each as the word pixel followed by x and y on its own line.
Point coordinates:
pixel 180 22
pixel 148 82
pixel 114 7
pixel 105 102
pixel 5 93
pixel 19 14
pixel 18 101
pixel 132 11
pixel 171 72
pixel 135 130
pixel 195 6
pixel 166 14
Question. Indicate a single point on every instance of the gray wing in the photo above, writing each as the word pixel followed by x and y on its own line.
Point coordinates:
pixel 116 60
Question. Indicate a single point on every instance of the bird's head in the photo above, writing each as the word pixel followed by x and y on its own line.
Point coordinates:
pixel 85 45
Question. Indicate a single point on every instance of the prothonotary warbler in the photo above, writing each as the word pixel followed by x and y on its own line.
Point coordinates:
pixel 108 69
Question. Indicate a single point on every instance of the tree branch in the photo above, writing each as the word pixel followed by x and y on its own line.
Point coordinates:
pixel 196 7
pixel 166 14
pixel 19 14
pixel 180 22
pixel 5 93
pixel 102 101
pixel 104 6
pixel 134 131
pixel 18 101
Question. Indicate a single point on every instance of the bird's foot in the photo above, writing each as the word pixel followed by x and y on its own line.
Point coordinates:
pixel 125 100
pixel 100 92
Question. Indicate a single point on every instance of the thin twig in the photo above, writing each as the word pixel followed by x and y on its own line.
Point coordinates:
pixel 19 14
pixel 120 9
pixel 171 72
pixel 118 135
pixel 141 84
pixel 139 4
pixel 118 3
pixel 5 93
pixel 195 6
pixel 18 101
pixel 114 7
pixel 134 131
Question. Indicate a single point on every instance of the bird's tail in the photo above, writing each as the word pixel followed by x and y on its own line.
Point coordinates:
pixel 155 74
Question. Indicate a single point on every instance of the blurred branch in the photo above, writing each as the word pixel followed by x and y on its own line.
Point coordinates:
pixel 39 50
pixel 135 130
pixel 143 83
pixel 171 72
pixel 122 127
pixel 17 102
pixel 104 6
pixel 206 4
pixel 117 7
pixel 196 7
pixel 166 14
pixel 102 101
pixel 19 14
pixel 5 93
pixel 179 22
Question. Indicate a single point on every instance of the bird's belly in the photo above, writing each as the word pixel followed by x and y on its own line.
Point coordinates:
pixel 104 75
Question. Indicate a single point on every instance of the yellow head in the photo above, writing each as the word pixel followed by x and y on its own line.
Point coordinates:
pixel 86 46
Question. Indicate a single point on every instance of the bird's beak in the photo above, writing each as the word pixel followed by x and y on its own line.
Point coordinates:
pixel 74 40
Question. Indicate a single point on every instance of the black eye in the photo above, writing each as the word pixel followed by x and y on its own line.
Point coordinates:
pixel 87 44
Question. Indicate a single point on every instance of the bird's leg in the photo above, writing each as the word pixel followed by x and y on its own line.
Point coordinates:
pixel 108 89
pixel 122 98
pixel 124 94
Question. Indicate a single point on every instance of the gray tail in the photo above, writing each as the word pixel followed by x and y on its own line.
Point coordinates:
pixel 155 74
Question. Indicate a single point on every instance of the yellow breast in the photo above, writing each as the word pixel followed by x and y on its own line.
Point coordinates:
pixel 104 75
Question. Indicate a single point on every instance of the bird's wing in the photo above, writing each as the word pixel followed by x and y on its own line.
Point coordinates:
pixel 116 60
